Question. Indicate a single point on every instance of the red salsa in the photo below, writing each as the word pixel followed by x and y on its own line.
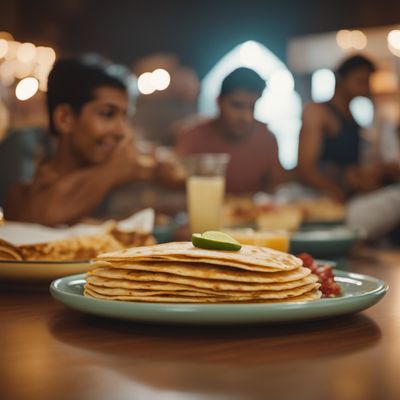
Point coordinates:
pixel 329 287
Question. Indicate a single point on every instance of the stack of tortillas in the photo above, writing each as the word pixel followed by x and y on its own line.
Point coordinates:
pixel 181 273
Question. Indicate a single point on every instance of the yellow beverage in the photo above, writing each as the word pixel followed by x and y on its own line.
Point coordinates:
pixel 278 240
pixel 205 199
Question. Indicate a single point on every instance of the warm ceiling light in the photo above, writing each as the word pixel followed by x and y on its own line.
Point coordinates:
pixel 343 39
pixel 26 88
pixel 393 39
pixel 145 84
pixel 26 52
pixel 3 47
pixel 22 70
pixel 355 39
pixel 359 39
pixel 45 55
pixel 160 79
pixel 12 50
pixel 7 70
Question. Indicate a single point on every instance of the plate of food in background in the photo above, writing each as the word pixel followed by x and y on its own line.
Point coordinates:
pixel 35 253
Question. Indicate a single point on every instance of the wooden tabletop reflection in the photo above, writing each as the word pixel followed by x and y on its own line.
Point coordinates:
pixel 50 352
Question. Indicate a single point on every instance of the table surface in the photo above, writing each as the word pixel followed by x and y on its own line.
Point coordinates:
pixel 50 352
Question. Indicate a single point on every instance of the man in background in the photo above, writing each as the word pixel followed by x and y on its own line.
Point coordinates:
pixel 330 142
pixel 254 164
pixel 87 102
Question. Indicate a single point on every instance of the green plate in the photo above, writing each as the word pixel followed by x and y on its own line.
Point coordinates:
pixel 323 243
pixel 359 293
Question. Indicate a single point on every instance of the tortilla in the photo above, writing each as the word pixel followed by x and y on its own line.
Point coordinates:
pixel 233 295
pixel 250 258
pixel 181 273
pixel 122 278
pixel 312 295
pixel 150 285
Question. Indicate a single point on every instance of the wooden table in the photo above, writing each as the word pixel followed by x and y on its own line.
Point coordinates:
pixel 50 352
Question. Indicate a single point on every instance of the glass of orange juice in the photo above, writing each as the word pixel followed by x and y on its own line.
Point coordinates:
pixel 205 187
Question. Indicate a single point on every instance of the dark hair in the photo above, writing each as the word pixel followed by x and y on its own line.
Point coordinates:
pixel 242 79
pixel 73 81
pixel 353 63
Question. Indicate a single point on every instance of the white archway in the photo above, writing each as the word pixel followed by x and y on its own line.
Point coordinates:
pixel 279 107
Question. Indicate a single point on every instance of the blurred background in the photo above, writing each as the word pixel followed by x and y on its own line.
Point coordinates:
pixel 179 52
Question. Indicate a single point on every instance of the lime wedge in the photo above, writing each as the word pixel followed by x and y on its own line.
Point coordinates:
pixel 214 240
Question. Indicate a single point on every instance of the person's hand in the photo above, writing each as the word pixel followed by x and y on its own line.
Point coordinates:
pixel 122 166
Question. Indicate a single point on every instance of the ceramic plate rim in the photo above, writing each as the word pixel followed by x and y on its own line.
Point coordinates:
pixel 382 288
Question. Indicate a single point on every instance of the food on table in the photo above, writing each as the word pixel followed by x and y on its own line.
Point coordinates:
pixel 239 211
pixel 329 287
pixel 277 240
pixel 215 240
pixel 9 252
pixel 32 242
pixel 242 211
pixel 179 272
pixel 72 248
pixel 288 217
pixel 322 210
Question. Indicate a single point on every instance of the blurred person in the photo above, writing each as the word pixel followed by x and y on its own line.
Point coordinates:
pixel 254 164
pixel 87 103
pixel 330 142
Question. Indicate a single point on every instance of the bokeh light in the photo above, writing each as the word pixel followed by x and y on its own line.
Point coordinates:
pixel 393 39
pixel 145 84
pixel 359 39
pixel 343 39
pixel 160 79
pixel 45 55
pixel 362 110
pixel 7 71
pixel 354 39
pixel 26 88
pixel 322 85
pixel 281 80
pixel 22 69
pixel 26 52
pixel 12 50
pixel 250 53
pixel 3 47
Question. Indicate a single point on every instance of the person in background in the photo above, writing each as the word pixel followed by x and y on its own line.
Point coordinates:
pixel 254 164
pixel 329 148
pixel 87 102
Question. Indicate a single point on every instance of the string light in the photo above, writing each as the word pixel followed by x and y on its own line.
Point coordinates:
pixel 26 88
pixel 355 39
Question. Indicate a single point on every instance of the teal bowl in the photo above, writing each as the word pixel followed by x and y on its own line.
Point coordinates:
pixel 324 243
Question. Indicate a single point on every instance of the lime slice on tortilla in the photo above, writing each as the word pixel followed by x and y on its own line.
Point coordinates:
pixel 214 240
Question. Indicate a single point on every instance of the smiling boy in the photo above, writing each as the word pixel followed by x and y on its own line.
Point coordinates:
pixel 87 103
